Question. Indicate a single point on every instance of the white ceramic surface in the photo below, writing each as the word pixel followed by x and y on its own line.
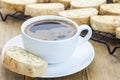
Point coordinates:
pixel 81 58
pixel 54 51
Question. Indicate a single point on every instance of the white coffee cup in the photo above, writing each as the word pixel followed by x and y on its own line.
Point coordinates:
pixel 54 51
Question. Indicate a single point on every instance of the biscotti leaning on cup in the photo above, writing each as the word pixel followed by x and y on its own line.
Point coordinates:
pixel 80 16
pixel 105 23
pixel 110 9
pixel 43 9
pixel 16 5
pixel 77 4
pixel 23 62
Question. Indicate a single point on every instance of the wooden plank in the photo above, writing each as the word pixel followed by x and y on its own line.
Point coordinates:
pixel 104 66
pixel 28 78
pixel 9 29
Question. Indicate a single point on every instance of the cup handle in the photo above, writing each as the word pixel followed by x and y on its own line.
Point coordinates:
pixel 87 36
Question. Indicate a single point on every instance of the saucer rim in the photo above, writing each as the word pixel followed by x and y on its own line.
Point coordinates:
pixel 86 64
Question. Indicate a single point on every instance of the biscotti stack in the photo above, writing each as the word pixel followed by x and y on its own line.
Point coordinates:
pixel 81 10
pixel 23 62
pixel 33 7
pixel 108 20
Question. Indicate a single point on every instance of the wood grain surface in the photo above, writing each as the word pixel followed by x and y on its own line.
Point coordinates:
pixel 103 67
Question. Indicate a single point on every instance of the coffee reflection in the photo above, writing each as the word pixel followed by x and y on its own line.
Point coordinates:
pixel 51 30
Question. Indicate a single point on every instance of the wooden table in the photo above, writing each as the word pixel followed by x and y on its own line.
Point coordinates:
pixel 103 67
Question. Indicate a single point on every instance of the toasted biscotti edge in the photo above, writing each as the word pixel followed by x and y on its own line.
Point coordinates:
pixel 22 68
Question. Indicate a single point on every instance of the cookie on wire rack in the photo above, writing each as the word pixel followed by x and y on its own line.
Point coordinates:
pixel 16 5
pixel 110 9
pixel 76 4
pixel 80 16
pixel 43 9
pixel 106 23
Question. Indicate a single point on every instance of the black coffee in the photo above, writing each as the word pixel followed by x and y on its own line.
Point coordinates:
pixel 51 30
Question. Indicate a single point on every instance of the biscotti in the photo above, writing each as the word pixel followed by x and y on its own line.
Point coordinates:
pixel 86 3
pixel 65 2
pixel 22 62
pixel 80 16
pixel 6 11
pixel 43 9
pixel 118 33
pixel 110 9
pixel 116 1
pixel 16 5
pixel 105 23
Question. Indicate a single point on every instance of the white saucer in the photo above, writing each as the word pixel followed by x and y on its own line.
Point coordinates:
pixel 81 58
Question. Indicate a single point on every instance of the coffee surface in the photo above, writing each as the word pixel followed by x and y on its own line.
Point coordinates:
pixel 51 30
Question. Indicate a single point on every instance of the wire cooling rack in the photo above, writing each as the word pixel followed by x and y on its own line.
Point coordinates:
pixel 17 15
pixel 97 36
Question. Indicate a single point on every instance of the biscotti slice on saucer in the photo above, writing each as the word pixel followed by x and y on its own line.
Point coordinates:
pixel 116 1
pixel 80 16
pixel 105 23
pixel 86 3
pixel 43 9
pixel 110 9
pixel 65 2
pixel 16 5
pixel 118 33
pixel 22 62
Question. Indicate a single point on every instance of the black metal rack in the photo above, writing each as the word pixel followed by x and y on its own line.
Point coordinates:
pixel 17 15
pixel 97 36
